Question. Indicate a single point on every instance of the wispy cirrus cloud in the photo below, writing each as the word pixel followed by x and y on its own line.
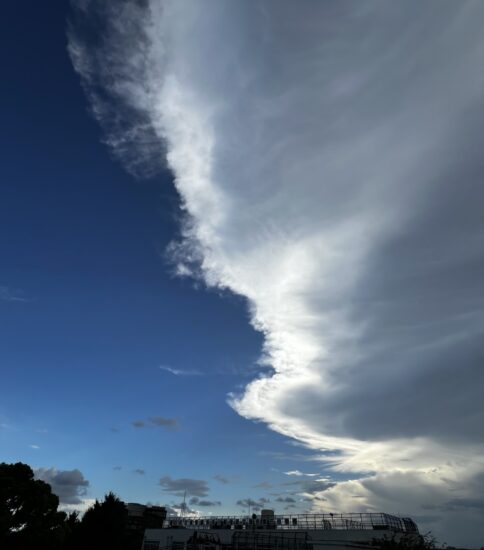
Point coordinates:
pixel 299 473
pixel 180 372
pixel 329 166
pixel 8 294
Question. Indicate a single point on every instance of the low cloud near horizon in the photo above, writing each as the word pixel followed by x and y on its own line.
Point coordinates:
pixel 329 160
pixel 69 485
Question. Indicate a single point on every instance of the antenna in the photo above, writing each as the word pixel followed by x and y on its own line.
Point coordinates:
pixel 184 506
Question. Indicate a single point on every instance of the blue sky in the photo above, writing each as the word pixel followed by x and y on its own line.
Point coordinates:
pixel 93 307
pixel 241 254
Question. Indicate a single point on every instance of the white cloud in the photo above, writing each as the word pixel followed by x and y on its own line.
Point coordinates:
pixel 180 372
pixel 435 498
pixel 80 507
pixel 328 156
pixel 299 473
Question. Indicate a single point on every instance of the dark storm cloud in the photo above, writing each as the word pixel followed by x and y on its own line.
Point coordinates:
pixel 182 486
pixel 69 485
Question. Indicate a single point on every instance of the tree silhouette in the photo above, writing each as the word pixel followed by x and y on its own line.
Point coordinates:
pixel 28 510
pixel 104 524
pixel 407 542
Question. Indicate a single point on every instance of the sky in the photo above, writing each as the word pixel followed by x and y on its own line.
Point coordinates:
pixel 242 255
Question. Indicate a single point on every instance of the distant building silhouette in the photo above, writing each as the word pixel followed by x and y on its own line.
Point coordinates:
pixel 141 517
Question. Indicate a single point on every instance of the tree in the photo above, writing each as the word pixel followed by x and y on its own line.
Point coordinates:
pixel 28 510
pixel 104 524
pixel 408 541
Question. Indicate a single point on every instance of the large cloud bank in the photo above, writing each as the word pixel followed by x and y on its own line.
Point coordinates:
pixel 329 159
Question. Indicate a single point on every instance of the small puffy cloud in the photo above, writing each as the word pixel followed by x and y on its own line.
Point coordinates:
pixel 158 421
pixel 139 423
pixel 201 502
pixel 35 447
pixel 69 485
pixel 255 505
pixel 286 500
pixel 209 503
pixel 163 422
pixel 221 479
pixel 184 485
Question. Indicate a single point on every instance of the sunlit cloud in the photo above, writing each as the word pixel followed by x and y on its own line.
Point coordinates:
pixel 329 164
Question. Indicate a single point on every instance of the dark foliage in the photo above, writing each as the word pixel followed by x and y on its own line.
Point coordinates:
pixel 104 524
pixel 407 542
pixel 28 511
pixel 29 518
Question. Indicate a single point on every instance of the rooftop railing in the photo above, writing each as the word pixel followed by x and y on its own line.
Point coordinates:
pixel 351 521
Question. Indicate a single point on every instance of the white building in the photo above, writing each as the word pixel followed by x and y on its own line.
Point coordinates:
pixel 271 532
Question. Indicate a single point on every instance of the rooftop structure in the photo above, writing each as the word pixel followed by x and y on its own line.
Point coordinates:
pixel 278 532
pixel 141 517
pixel 365 521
